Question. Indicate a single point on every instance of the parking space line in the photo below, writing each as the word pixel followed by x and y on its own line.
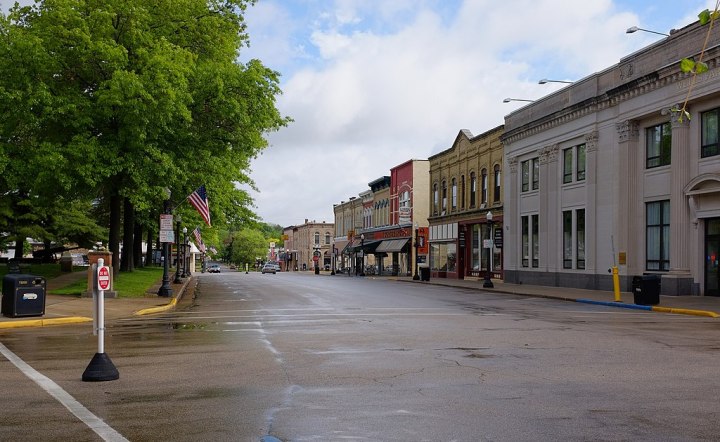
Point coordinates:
pixel 96 424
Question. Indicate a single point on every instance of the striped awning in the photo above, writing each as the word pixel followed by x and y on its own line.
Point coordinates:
pixel 392 245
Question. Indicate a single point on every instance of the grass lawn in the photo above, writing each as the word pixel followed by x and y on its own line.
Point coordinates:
pixel 128 285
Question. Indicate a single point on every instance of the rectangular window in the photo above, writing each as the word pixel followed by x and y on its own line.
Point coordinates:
pixel 567 239
pixel 462 192
pixel 525 221
pixel 657 141
pixel 709 140
pixel 580 237
pixel 657 255
pixel 580 165
pixel 568 165
pixel 530 174
pixel 530 241
pixel 574 239
pixel 574 164
pixel 535 221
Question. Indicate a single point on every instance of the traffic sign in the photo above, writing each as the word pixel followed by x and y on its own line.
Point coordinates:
pixel 103 278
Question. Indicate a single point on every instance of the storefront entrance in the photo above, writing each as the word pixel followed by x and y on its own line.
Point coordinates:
pixel 712 255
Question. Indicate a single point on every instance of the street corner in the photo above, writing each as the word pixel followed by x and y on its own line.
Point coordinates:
pixel 157 309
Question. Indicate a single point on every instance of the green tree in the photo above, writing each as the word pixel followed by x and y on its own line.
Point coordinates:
pixel 246 245
pixel 124 98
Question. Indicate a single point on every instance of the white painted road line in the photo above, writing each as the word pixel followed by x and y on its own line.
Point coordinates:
pixel 95 423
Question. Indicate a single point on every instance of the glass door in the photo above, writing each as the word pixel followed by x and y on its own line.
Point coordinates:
pixel 712 256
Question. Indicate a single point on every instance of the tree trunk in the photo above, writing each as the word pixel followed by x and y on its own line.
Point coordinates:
pixel 114 237
pixel 19 244
pixel 137 246
pixel 128 253
pixel 149 241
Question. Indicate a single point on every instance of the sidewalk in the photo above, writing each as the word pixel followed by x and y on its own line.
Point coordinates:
pixel 62 309
pixel 66 309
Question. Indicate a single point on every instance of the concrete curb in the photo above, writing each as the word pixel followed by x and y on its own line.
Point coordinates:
pixel 44 322
pixel 169 306
pixel 681 311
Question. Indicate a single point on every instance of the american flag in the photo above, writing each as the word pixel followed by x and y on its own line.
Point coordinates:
pixel 198 240
pixel 199 201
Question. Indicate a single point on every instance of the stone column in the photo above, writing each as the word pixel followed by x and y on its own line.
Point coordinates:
pixel 511 222
pixel 591 240
pixel 679 210
pixel 549 217
pixel 630 211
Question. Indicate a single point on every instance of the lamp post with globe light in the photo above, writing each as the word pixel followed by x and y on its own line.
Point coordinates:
pixel 487 282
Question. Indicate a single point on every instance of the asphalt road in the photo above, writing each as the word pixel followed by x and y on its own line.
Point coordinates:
pixel 317 358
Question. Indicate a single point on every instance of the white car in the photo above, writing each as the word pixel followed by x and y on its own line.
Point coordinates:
pixel 269 268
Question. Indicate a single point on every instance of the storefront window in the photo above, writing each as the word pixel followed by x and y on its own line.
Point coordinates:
pixel 443 257
pixel 476 247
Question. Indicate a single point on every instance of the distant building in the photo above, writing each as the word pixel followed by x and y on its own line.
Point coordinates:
pixel 307 245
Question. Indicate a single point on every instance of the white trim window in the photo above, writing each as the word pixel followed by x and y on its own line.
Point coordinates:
pixel 574 164
pixel 530 174
pixel 530 240
pixel 574 239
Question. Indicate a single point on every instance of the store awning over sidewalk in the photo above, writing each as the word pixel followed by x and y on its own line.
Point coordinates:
pixel 392 245
pixel 357 246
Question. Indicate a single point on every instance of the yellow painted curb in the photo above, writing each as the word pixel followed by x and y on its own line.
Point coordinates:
pixel 44 322
pixel 685 311
pixel 158 309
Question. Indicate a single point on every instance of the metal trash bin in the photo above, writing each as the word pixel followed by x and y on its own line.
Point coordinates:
pixel 23 295
pixel 424 273
pixel 646 289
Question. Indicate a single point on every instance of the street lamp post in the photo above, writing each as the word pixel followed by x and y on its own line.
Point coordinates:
pixel 362 250
pixel 165 289
pixel 186 255
pixel 177 252
pixel 488 283
pixel 416 277
pixel 332 258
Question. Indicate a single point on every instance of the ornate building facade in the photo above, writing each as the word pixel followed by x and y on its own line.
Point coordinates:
pixel 466 207
pixel 604 173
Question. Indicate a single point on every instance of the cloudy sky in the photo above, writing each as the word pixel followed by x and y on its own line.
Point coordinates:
pixel 374 83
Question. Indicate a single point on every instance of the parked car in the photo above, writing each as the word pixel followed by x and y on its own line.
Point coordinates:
pixel 269 268
pixel 214 268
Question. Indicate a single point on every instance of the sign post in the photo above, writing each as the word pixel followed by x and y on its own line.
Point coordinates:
pixel 101 367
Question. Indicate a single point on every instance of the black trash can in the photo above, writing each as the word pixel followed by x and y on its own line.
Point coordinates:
pixel 646 289
pixel 23 295
pixel 424 273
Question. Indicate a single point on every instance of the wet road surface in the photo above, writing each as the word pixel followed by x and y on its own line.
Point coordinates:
pixel 305 357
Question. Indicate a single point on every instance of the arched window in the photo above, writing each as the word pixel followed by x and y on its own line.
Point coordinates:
pixel 473 189
pixel 327 238
pixel 484 190
pixel 454 194
pixel 444 197
pixel 497 181
pixel 435 199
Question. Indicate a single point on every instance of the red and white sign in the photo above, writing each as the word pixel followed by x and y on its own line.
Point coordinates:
pixel 103 278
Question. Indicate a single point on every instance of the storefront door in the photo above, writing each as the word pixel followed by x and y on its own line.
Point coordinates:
pixel 712 255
